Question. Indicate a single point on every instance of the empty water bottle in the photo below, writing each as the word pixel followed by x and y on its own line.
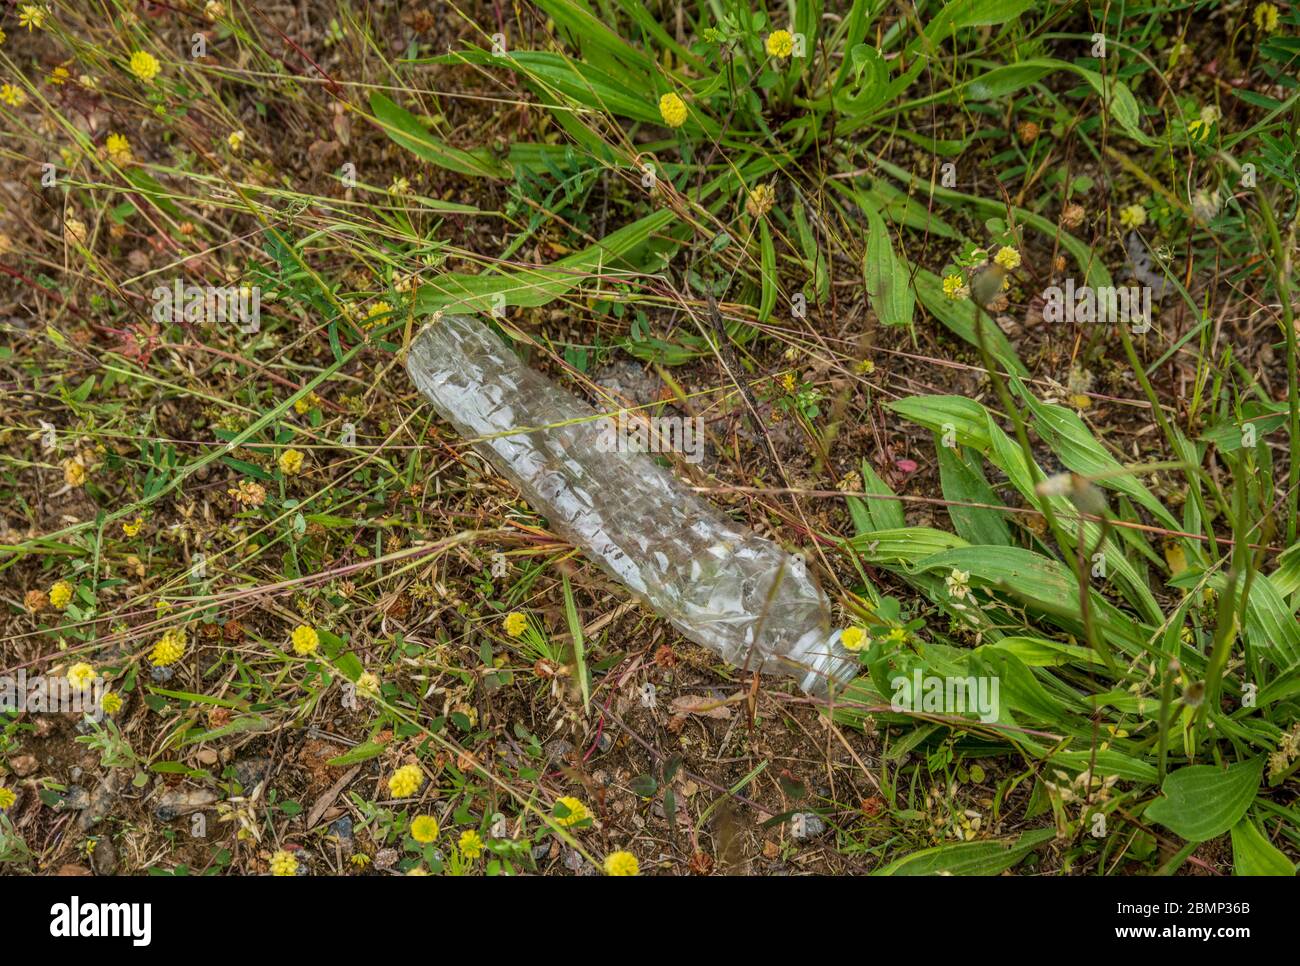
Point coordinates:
pixel 739 595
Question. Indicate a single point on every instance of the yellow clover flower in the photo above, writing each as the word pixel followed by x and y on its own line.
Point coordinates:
pixel 169 649
pixel 284 863
pixel 111 702
pixel 471 844
pixel 144 65
pixel 574 811
pixel 61 595
pixel 622 863
pixel 1008 258
pixel 305 640
pixel 377 313
pixel 515 623
pixel 672 109
pixel 1265 18
pixel 119 149
pixel 954 287
pixel 1132 216
pixel 406 781
pixel 81 675
pixel 133 528
pixel 853 638
pixel 291 461
pixel 13 96
pixel 424 829
pixel 7 797
pixel 780 43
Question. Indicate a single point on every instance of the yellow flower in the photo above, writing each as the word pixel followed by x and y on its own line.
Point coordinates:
pixel 306 404
pixel 471 845
pixel 7 797
pixel 61 595
pixel 1008 258
pixel 80 675
pixel 406 781
pixel 866 367
pixel 305 640
pixel 284 863
pixel 58 77
pixel 672 109
pixel 133 528
pixel 214 10
pixel 368 685
pixel 11 95
pixel 780 43
pixel 235 140
pixel 144 65
pixel 377 313
pixel 3 36
pixel 417 870
pixel 119 149
pixel 954 287
pixel 1265 17
pixel 169 649
pixel 1132 216
pixel 1198 130
pixel 31 16
pixel 625 863
pixel 111 702
pixel 424 829
pixel 788 382
pixel 760 200
pixel 74 472
pixel 574 811
pixel 853 638
pixel 291 462
pixel 515 623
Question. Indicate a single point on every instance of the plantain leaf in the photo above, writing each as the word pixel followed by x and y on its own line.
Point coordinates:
pixel 888 285
pixel 1253 854
pixel 405 129
pixel 1204 801
pixel 969 858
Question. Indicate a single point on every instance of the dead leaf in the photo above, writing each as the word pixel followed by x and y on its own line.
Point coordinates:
pixel 703 705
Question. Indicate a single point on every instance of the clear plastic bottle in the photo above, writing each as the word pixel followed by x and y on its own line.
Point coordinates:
pixel 739 595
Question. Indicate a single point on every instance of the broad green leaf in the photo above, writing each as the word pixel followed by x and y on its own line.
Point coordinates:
pixel 1069 438
pixel 888 287
pixel 405 129
pixel 875 514
pixel 1252 854
pixel 969 858
pixel 1203 801
pixel 963 483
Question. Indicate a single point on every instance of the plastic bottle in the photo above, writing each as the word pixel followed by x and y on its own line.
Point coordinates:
pixel 739 595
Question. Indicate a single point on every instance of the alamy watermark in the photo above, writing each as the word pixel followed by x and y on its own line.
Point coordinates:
pixel 1107 305
pixel 51 694
pixel 935 694
pixel 623 433
pixel 237 305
